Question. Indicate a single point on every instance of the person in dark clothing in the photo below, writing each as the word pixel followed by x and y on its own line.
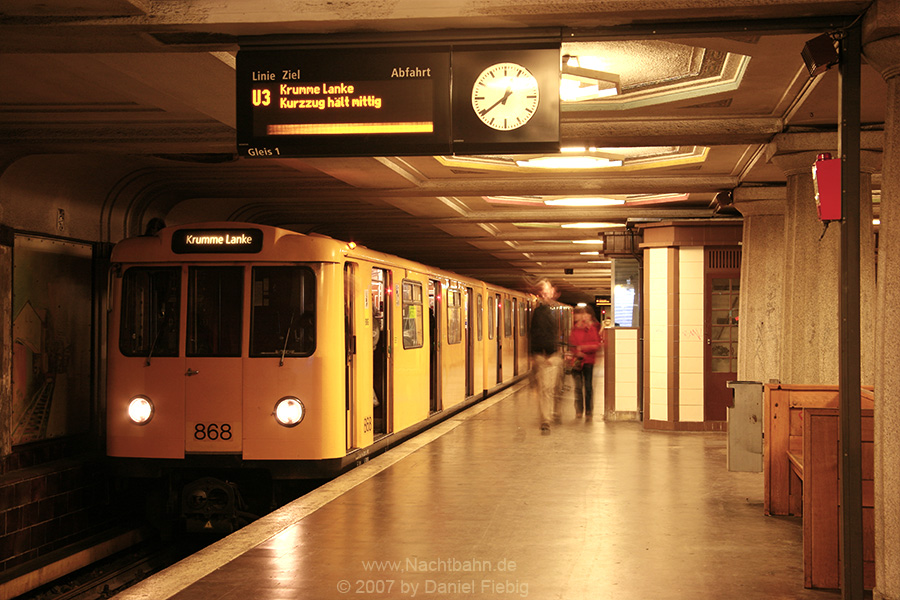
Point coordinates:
pixel 544 334
pixel 545 357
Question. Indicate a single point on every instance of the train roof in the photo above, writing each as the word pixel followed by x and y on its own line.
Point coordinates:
pixel 225 241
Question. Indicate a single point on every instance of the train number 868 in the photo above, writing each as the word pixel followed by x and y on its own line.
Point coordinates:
pixel 212 431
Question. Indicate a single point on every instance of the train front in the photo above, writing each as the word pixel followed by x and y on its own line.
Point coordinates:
pixel 220 377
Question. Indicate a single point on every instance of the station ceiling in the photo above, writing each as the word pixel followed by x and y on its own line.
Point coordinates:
pixel 705 88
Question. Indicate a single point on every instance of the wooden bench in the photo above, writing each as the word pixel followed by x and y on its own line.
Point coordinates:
pixel 800 468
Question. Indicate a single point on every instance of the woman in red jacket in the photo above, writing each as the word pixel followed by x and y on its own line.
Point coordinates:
pixel 585 340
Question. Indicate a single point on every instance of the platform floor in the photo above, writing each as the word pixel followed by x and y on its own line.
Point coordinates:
pixel 484 506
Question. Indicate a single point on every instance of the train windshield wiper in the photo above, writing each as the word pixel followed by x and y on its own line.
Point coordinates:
pixel 287 336
pixel 153 346
pixel 159 327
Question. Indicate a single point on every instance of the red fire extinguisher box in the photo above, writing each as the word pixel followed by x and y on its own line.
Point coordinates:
pixel 827 185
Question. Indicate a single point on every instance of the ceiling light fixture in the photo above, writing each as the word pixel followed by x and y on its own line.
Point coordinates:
pixel 526 200
pixel 656 199
pixel 584 202
pixel 569 162
pixel 591 225
pixel 583 149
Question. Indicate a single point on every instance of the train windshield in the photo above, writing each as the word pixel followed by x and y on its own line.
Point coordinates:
pixel 283 314
pixel 150 311
pixel 215 310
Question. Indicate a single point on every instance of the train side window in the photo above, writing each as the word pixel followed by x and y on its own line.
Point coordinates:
pixel 413 333
pixel 215 309
pixel 454 317
pixel 507 318
pixel 150 311
pixel 479 316
pixel 523 320
pixel 283 311
pixel 492 316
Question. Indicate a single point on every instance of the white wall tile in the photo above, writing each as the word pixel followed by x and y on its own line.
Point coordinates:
pixel 626 375
pixel 691 316
pixel 693 381
pixel 659 411
pixel 659 379
pixel 689 413
pixel 691 364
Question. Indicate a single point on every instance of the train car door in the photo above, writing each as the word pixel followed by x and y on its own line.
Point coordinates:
pixel 524 322
pixel 490 348
pixel 382 336
pixel 470 342
pixel 479 384
pixel 350 270
pixel 434 327
pixel 213 366
pixel 515 338
pixel 498 303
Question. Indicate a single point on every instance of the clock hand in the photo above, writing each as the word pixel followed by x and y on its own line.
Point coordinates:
pixel 502 100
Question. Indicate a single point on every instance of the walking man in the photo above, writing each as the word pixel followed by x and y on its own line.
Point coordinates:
pixel 545 359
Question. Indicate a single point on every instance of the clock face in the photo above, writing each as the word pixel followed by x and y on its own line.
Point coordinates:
pixel 505 96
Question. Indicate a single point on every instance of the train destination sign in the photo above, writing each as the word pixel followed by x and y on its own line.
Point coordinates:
pixel 215 241
pixel 374 101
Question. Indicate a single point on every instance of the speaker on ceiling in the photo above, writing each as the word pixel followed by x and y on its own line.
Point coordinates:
pixel 819 53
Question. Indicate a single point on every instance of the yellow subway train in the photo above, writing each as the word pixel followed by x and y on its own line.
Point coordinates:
pixel 241 354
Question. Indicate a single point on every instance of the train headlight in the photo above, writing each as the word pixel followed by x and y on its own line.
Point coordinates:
pixel 289 411
pixel 140 410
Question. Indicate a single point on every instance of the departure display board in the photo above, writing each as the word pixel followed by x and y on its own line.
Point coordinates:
pixel 339 102
pixel 389 101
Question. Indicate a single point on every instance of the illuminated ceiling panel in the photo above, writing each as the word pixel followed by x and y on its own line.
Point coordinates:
pixel 617 160
pixel 656 72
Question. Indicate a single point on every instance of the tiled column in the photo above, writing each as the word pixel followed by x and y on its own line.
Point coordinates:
pixel 811 264
pixel 762 282
pixel 691 346
pixel 881 46
pixel 659 310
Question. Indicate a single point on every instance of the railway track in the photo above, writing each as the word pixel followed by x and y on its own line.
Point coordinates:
pixel 112 575
pixel 109 576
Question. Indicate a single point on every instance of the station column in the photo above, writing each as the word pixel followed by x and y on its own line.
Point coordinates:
pixel 811 266
pixel 881 46
pixel 762 282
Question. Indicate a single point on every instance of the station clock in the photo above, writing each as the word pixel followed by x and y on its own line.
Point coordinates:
pixel 505 99
pixel 505 96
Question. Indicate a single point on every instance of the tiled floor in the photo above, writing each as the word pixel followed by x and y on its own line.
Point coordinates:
pixel 493 509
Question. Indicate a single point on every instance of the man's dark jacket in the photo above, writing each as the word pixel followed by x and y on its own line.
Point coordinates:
pixel 543 331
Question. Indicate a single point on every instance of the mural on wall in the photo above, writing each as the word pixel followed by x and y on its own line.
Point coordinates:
pixel 51 338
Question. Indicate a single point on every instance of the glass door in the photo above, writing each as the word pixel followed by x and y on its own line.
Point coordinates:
pixel 723 286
